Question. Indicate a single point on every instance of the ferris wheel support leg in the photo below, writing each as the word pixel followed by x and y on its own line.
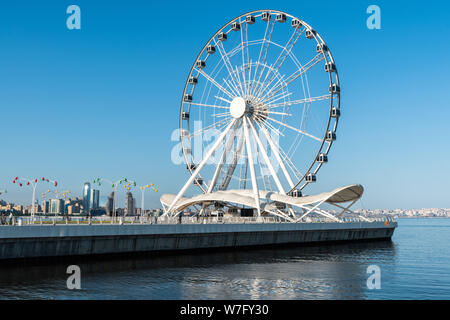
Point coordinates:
pixel 252 168
pixel 228 146
pixel 266 159
pixel 278 157
pixel 200 167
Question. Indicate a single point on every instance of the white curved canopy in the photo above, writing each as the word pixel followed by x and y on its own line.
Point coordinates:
pixel 245 197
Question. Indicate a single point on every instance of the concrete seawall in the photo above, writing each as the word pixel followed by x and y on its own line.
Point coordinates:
pixel 68 240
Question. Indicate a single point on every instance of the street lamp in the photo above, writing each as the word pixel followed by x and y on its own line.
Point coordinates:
pixel 33 183
pixel 143 188
pixel 114 186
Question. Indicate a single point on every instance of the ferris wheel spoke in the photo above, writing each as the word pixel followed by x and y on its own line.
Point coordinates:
pixel 244 45
pixel 300 101
pixel 208 105
pixel 295 129
pixel 284 53
pixel 239 80
pixel 278 97
pixel 280 113
pixel 227 63
pixel 211 126
pixel 221 115
pixel 263 51
pixel 214 82
pixel 232 89
pixel 281 79
pixel 297 174
pixel 268 125
pixel 223 99
pixel 298 73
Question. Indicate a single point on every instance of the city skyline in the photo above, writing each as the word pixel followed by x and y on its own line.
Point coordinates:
pixel 81 85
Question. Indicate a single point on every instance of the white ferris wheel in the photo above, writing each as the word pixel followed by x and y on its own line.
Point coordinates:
pixel 258 117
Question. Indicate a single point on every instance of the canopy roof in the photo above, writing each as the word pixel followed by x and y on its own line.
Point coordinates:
pixel 245 197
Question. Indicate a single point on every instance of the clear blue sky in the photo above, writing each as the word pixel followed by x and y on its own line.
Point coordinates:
pixel 104 100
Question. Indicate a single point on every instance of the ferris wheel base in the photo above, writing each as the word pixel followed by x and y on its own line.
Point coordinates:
pixel 240 202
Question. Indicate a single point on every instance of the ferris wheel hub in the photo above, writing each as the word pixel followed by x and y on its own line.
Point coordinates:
pixel 238 107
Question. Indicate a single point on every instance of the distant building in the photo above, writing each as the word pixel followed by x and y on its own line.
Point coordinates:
pixel 109 204
pixel 86 197
pixel 57 206
pixel 94 199
pixel 130 204
pixel 45 206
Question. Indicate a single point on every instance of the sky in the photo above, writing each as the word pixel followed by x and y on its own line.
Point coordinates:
pixel 103 101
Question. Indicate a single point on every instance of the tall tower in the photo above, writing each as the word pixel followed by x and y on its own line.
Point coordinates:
pixel 94 199
pixel 86 197
pixel 109 204
pixel 130 204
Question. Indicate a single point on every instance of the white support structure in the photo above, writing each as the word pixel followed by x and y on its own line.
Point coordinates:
pixel 252 168
pixel 228 146
pixel 278 157
pixel 266 158
pixel 200 167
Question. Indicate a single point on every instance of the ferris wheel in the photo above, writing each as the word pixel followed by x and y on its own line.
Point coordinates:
pixel 260 107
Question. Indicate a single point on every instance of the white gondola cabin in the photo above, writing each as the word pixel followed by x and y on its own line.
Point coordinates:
pixel 322 158
pixel 191 166
pixel 281 17
pixel 187 98
pixel 310 34
pixel 210 49
pixel 296 23
pixel 235 26
pixel 330 136
pixel 185 115
pixel 222 36
pixel 335 112
pixel 198 181
pixel 265 16
pixel 330 67
pixel 311 177
pixel 295 193
pixel 200 64
pixel 321 48
pixel 250 19
pixel 193 80
pixel 334 88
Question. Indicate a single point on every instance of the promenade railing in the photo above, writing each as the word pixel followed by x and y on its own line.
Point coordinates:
pixel 105 220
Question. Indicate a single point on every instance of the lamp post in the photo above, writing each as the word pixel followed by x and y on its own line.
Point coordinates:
pixel 33 183
pixel 114 187
pixel 143 188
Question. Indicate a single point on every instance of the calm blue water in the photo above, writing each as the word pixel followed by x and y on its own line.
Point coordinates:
pixel 415 265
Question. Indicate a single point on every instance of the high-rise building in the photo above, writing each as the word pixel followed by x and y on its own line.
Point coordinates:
pixel 109 204
pixel 130 204
pixel 45 206
pixel 57 206
pixel 94 199
pixel 86 197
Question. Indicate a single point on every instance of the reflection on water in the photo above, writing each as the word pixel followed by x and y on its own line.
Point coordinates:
pixel 312 272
